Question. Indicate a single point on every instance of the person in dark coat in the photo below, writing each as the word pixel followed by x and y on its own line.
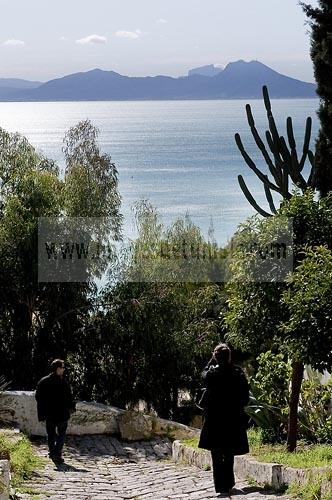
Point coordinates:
pixel 224 420
pixel 55 404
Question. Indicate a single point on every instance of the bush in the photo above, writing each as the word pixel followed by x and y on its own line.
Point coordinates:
pixel 268 406
pixel 315 410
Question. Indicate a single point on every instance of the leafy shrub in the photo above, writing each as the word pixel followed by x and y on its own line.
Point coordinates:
pixel 315 411
pixel 268 407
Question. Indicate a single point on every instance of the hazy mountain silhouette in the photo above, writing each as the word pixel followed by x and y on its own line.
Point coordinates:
pixel 245 79
pixel 209 70
pixel 12 86
pixel 237 81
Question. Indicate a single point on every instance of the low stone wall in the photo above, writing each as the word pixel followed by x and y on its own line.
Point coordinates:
pixel 4 479
pixel 95 418
pixel 90 418
pixel 134 426
pixel 190 455
pixel 301 476
pixel 245 466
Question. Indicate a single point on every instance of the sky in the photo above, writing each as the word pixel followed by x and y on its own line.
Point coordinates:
pixel 45 39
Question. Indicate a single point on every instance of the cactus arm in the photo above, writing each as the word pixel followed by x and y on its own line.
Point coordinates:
pixel 272 124
pixel 290 133
pixel 267 101
pixel 297 177
pixel 284 152
pixel 252 165
pixel 276 154
pixel 269 139
pixel 313 173
pixel 274 131
pixel 260 144
pixel 251 199
pixel 282 159
pixel 291 140
pixel 296 169
pixel 306 143
pixel 311 157
pixel 286 167
pixel 269 198
pixel 291 168
pixel 285 186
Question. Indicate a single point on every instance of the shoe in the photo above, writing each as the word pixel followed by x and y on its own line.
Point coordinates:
pixel 224 494
pixel 58 459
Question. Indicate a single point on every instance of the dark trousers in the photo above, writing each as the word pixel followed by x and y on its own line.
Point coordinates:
pixel 223 474
pixel 56 433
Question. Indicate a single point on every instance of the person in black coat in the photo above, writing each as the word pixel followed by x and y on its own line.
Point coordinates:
pixel 224 420
pixel 55 404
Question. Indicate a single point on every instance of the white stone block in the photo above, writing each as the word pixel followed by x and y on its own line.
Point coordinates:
pixel 4 479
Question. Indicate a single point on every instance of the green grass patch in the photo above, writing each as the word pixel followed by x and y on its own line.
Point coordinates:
pixel 34 494
pixel 193 442
pixel 23 460
pixel 312 489
pixel 306 456
pixel 27 490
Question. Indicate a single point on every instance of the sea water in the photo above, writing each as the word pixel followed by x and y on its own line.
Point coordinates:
pixel 179 155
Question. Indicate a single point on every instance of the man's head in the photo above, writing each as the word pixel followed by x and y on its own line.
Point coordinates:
pixel 222 354
pixel 58 367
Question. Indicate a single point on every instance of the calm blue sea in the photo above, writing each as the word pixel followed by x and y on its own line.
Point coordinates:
pixel 180 155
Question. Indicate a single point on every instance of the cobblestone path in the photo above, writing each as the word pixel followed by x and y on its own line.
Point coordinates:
pixel 103 468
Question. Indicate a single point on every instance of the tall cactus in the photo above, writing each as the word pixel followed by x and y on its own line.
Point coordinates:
pixel 283 161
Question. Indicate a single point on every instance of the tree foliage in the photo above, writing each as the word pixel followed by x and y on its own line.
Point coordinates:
pixel 308 298
pixel 256 310
pixel 290 316
pixel 39 321
pixel 153 334
pixel 321 54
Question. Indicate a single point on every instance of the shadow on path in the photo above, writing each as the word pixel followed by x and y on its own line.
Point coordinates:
pixel 68 468
pixel 249 490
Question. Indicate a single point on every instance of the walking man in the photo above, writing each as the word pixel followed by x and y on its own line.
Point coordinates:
pixel 54 406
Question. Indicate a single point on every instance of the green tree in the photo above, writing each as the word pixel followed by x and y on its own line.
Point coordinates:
pixel 284 165
pixel 321 54
pixel 308 297
pixel 258 315
pixel 35 193
pixel 150 342
pixel 175 254
pixel 154 332
pixel 43 320
pixel 91 178
pixel 269 403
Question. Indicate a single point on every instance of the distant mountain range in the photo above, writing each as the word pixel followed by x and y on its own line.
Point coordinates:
pixel 238 80
pixel 209 70
pixel 9 87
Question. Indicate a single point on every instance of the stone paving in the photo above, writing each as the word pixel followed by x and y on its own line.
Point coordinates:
pixel 103 468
